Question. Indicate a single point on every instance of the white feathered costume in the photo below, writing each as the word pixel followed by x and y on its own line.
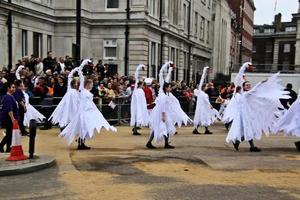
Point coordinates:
pixel 289 123
pixel 31 113
pixel 178 116
pixel 253 112
pixel 163 104
pixel 68 106
pixel 138 107
pixel 87 119
pixel 205 114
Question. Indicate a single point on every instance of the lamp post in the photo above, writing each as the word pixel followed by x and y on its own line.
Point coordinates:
pixel 241 30
pixel 78 31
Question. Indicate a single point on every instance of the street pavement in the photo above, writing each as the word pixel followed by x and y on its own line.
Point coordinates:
pixel 120 167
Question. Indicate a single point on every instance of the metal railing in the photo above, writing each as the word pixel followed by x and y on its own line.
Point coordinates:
pixel 119 115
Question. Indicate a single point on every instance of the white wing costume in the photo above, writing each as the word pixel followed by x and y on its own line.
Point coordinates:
pixel 230 110
pixel 87 119
pixel 289 123
pixel 162 105
pixel 68 106
pixel 178 116
pixel 205 114
pixel 254 111
pixel 138 107
pixel 31 113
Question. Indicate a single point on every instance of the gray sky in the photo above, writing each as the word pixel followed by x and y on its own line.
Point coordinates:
pixel 264 13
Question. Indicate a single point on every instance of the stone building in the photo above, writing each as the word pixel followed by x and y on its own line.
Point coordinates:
pixel 274 45
pixel 178 30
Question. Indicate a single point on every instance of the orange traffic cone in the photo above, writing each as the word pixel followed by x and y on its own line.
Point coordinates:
pixel 16 152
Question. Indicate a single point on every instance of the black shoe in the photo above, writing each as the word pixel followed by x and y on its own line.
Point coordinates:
pixel 297 144
pixel 138 128
pixel 255 149
pixel 136 133
pixel 236 145
pixel 196 132
pixel 167 146
pixel 83 147
pixel 150 146
pixel 208 132
pixel 1 150
pixel 25 133
pixel 176 133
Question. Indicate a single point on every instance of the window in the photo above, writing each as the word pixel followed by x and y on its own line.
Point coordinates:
pixel 37 44
pixel 269 30
pixel 256 30
pixel 185 18
pixel 202 31
pixel 49 43
pixel 196 25
pixel 24 43
pixel 287 48
pixel 110 49
pixel 290 29
pixel 153 59
pixel 269 47
pixel 208 32
pixel 254 49
pixel 112 4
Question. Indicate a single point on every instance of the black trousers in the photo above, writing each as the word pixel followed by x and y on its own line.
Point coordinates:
pixel 20 121
pixel 8 126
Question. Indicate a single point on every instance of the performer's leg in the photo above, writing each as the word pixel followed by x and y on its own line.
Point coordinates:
pixel 253 148
pixel 134 130
pixel 149 143
pixel 167 145
pixel 207 132
pixel 195 131
pixel 81 145
pixel 297 144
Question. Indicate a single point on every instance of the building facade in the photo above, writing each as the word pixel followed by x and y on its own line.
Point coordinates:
pixel 243 11
pixel 155 31
pixel 274 46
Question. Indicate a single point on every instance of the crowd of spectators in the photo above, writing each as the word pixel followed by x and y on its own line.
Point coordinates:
pixel 48 78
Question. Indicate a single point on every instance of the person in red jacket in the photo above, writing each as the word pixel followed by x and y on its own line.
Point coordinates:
pixel 149 94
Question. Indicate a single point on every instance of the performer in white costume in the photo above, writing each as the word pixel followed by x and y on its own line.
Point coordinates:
pixel 138 106
pixel 289 123
pixel 178 116
pixel 161 124
pixel 31 113
pixel 68 106
pixel 253 111
pixel 87 119
pixel 205 114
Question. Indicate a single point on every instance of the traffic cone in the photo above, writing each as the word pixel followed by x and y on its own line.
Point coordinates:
pixel 16 152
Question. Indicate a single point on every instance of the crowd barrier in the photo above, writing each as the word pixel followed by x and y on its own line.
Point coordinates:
pixel 116 111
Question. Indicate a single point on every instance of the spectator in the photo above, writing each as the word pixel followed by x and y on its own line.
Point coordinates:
pixel 9 114
pixel 41 89
pixel 39 68
pixel 49 62
pixel 60 87
pixel 288 102
pixel 20 98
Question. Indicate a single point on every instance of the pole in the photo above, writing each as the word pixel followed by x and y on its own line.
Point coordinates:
pixel 127 38
pixel 241 31
pixel 9 37
pixel 32 134
pixel 78 31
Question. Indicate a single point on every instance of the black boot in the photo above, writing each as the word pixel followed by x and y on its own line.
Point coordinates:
pixel 207 132
pixel 253 148
pixel 134 130
pixel 150 146
pixel 167 145
pixel 236 145
pixel 196 132
pixel 81 145
pixel 297 144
